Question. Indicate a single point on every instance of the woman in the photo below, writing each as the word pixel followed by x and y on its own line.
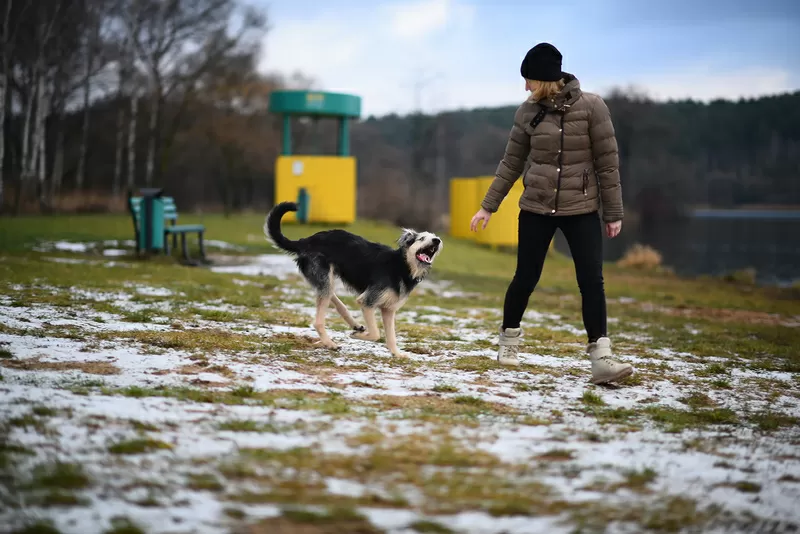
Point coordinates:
pixel 563 141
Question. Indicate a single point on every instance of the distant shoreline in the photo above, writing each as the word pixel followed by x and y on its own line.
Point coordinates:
pixel 749 212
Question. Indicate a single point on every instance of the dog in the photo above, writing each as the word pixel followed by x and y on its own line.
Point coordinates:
pixel 382 277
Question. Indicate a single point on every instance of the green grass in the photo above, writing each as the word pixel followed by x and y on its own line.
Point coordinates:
pixel 429 527
pixel 123 525
pixel 463 261
pixel 590 398
pixel 138 446
pixel 39 527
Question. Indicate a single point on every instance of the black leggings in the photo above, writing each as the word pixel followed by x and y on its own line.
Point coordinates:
pixel 585 240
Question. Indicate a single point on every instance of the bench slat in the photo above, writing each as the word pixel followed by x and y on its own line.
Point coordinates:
pixel 180 228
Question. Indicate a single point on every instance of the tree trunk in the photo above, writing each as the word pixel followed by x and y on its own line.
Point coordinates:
pixel 3 86
pixel 5 92
pixel 26 136
pixel 41 138
pixel 155 111
pixel 115 187
pixel 58 160
pixel 132 142
pixel 80 176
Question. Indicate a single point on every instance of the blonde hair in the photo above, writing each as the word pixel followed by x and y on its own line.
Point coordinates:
pixel 541 90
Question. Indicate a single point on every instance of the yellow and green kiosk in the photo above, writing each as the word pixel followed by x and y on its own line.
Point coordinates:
pixel 324 186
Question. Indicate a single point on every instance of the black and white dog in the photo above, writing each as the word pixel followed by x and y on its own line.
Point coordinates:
pixel 381 276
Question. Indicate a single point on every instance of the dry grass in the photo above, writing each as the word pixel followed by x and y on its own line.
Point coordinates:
pixel 642 257
pixel 36 364
pixel 72 202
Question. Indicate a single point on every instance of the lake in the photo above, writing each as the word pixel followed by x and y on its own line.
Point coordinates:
pixel 716 242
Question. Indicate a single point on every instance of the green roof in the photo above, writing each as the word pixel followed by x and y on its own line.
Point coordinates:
pixel 315 103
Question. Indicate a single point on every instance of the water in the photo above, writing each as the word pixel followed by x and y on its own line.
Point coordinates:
pixel 716 242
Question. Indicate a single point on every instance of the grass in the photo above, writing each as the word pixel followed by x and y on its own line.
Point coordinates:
pixel 204 482
pixel 590 398
pixel 39 527
pixel 425 449
pixel 124 525
pixel 641 257
pixel 138 446
pixel 334 520
pixel 429 527
pixel 60 475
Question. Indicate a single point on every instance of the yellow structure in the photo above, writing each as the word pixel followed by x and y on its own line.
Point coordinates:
pixel 330 182
pixel 324 186
pixel 463 192
pixel 465 199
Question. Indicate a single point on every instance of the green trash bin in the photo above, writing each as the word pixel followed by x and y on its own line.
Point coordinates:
pixel 303 205
pixel 151 236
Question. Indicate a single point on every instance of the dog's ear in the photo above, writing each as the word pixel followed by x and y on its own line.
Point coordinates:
pixel 407 237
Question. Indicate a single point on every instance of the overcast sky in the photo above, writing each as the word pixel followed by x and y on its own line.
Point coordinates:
pixel 466 53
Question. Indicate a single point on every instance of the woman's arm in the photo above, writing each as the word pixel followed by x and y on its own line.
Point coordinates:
pixel 606 160
pixel 511 166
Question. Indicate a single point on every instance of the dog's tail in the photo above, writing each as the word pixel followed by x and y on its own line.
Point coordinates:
pixel 272 227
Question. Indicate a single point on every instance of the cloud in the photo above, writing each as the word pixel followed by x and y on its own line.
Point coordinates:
pixel 458 59
pixel 423 17
pixel 378 54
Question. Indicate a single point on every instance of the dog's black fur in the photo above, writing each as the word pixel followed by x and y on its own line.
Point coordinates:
pixel 381 276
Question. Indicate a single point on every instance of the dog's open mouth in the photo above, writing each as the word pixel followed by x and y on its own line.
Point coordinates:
pixel 426 255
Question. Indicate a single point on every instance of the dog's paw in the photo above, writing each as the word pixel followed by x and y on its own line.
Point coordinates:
pixel 401 354
pixel 327 344
pixel 363 335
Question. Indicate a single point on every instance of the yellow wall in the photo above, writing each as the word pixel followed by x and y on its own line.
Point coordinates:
pixel 463 192
pixel 502 227
pixel 329 180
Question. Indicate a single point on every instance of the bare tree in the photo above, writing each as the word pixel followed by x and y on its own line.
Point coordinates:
pixel 7 45
pixel 132 139
pixel 33 155
pixel 40 134
pixel 124 75
pixel 177 41
pixel 90 49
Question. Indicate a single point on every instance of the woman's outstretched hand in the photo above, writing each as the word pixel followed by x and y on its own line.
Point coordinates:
pixel 482 215
pixel 613 228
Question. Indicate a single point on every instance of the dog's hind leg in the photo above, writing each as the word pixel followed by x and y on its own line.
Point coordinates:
pixel 372 333
pixel 323 301
pixel 342 309
pixel 388 316
pixel 317 271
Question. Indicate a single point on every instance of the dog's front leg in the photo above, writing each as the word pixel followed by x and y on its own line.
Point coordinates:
pixel 319 322
pixel 372 333
pixel 388 316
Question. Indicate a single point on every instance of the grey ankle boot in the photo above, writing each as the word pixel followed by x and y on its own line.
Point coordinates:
pixel 509 346
pixel 604 368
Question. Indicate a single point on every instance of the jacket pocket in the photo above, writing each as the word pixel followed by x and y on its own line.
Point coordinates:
pixel 585 182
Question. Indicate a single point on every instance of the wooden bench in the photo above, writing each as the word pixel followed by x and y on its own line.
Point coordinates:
pixel 173 229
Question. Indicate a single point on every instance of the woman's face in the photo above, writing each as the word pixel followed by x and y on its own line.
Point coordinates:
pixel 528 86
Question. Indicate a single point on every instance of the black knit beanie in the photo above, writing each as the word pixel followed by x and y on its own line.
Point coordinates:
pixel 542 63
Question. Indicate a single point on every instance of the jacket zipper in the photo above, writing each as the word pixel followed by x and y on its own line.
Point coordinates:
pixel 585 182
pixel 560 155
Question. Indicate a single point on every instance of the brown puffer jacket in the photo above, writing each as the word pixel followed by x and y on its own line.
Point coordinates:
pixel 571 157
